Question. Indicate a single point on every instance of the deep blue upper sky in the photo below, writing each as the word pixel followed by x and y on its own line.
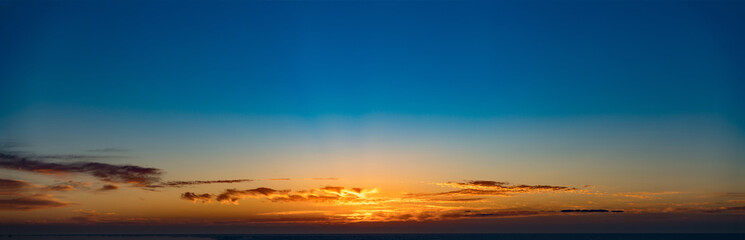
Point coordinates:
pixel 470 59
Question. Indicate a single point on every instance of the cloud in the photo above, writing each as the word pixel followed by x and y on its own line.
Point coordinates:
pixel 205 198
pixel 93 216
pixel 60 187
pixel 493 188
pixel 187 183
pixel 130 174
pixel 234 195
pixel 24 196
pixel 72 157
pixel 590 211
pixel 279 179
pixel 324 194
pixel 644 195
pixel 9 186
pixel 107 150
pixel 732 194
pixel 425 214
pixel 725 209
pixel 108 187
pixel 503 187
pixel 32 202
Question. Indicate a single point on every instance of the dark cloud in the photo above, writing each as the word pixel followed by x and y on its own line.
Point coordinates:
pixel 488 213
pixel 466 192
pixel 9 186
pixel 187 183
pixel 495 188
pixel 108 187
pixel 20 195
pixel 205 198
pixel 134 175
pixel 590 211
pixel 32 202
pixel 233 195
pixel 72 157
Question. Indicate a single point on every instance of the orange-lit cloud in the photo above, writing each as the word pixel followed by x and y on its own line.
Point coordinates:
pixel 644 195
pixel 324 194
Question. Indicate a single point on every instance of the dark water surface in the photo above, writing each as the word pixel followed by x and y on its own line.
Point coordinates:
pixel 382 237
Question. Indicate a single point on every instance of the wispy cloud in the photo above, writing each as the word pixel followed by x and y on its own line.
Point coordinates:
pixel 109 150
pixel 590 211
pixel 645 195
pixel 493 188
pixel 24 196
pixel 197 182
pixel 137 176
pixel 129 174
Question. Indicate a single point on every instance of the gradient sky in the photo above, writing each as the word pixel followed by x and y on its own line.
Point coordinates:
pixel 372 116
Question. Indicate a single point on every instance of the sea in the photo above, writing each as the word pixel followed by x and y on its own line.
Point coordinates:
pixel 381 237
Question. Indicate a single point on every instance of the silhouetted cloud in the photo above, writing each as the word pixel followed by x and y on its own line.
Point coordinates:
pixel 590 211
pixel 32 202
pixel 130 174
pixel 205 198
pixel 493 188
pixel 233 195
pixel 72 157
pixel 488 213
pixel 20 195
pixel 9 186
pixel 504 186
pixel 108 187
pixel 198 182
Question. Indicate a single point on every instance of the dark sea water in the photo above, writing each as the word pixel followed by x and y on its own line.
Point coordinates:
pixel 384 237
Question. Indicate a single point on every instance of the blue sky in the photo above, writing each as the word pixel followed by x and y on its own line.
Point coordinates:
pixel 471 59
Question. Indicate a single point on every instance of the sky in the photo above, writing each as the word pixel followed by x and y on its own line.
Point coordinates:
pixel 371 116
